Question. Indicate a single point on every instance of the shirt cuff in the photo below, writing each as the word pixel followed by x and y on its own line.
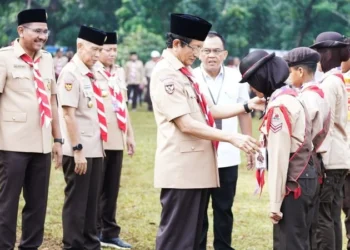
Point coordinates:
pixel 275 207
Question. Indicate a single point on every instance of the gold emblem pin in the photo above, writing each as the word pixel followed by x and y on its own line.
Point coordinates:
pixel 104 93
pixel 90 105
pixel 68 86
pixel 49 85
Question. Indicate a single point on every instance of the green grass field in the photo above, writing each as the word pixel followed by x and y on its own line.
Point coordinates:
pixel 139 206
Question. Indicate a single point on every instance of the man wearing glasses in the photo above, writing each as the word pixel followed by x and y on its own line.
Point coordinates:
pixel 29 117
pixel 221 85
pixel 185 161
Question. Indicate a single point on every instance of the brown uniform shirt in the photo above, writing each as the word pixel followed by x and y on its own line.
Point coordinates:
pixel 280 144
pixel 116 138
pixel 336 142
pixel 182 161
pixel 75 90
pixel 318 110
pixel 20 128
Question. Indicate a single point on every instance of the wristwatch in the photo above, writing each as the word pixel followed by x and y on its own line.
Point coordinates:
pixel 78 147
pixel 60 140
pixel 246 108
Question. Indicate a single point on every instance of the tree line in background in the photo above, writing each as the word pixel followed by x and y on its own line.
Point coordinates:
pixel 142 24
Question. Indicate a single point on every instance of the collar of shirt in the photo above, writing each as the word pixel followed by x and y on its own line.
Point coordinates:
pixel 81 66
pixel 218 78
pixel 305 86
pixel 331 72
pixel 172 59
pixel 19 51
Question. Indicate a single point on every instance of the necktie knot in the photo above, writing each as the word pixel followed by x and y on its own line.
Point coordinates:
pixel 90 75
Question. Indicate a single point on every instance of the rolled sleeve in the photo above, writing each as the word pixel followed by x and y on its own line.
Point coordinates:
pixel 3 74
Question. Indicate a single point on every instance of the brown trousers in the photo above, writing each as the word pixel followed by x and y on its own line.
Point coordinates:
pixel 346 208
pixel 30 171
pixel 79 216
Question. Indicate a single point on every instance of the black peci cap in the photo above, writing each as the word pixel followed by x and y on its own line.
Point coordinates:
pixel 92 35
pixel 111 38
pixel 32 16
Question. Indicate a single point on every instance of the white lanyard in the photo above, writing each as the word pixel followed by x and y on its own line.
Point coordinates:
pixel 222 83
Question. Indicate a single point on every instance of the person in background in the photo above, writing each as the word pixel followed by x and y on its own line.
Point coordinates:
pixel 221 85
pixel 148 72
pixel 59 62
pixel 69 55
pixel 110 78
pixel 333 51
pixel 134 75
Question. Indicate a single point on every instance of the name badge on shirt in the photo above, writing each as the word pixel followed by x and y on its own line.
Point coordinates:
pixel 87 88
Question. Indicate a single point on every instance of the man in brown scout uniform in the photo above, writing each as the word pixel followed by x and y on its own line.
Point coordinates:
pixel 28 110
pixel 186 164
pixel 85 127
pixel 333 51
pixel 110 78
pixel 286 133
pixel 302 64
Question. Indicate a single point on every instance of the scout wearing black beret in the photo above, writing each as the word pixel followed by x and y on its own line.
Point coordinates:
pixel 329 39
pixel 111 38
pixel 189 26
pixel 32 16
pixel 92 35
pixel 302 56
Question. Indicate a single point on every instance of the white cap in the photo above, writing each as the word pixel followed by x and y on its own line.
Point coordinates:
pixel 155 54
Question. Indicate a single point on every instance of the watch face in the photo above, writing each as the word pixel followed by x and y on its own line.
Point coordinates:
pixel 80 147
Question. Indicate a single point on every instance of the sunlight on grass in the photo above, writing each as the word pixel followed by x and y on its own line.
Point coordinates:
pixel 139 206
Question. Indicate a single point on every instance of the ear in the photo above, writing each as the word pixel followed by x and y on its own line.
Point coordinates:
pixel 225 54
pixel 20 30
pixel 301 71
pixel 176 43
pixel 79 45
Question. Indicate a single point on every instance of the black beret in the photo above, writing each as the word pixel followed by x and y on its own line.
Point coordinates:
pixel 302 56
pixel 92 35
pixel 189 26
pixel 32 16
pixel 111 38
pixel 329 39
pixel 252 62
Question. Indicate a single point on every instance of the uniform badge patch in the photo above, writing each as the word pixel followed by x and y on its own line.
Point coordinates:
pixel 276 124
pixel 68 86
pixel 169 88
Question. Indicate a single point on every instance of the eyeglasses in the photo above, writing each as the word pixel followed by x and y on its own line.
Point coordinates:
pixel 215 51
pixel 39 31
pixel 195 49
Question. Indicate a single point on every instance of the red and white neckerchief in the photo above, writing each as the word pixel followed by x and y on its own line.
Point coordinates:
pixel 44 106
pixel 117 97
pixel 202 101
pixel 100 107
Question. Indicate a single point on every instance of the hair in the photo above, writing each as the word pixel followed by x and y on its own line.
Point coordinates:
pixel 170 37
pixel 216 34
pixel 132 53
pixel 309 68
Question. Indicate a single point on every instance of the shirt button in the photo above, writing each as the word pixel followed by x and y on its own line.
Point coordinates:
pixel 192 148
pixel 82 132
pixel 307 175
pixel 14 118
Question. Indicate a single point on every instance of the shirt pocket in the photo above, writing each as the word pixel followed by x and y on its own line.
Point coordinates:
pixel 86 131
pixel 14 117
pixel 192 146
pixel 22 81
pixel 192 99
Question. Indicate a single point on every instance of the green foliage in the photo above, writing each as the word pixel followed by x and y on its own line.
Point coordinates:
pixel 270 24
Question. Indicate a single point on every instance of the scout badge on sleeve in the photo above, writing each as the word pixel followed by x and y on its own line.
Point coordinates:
pixel 169 87
pixel 68 86
pixel 261 166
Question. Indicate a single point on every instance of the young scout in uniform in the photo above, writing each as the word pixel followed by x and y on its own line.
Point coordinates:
pixel 85 127
pixel 221 84
pixel 286 133
pixel 345 67
pixel 186 164
pixel 302 64
pixel 110 78
pixel 28 110
pixel 333 51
